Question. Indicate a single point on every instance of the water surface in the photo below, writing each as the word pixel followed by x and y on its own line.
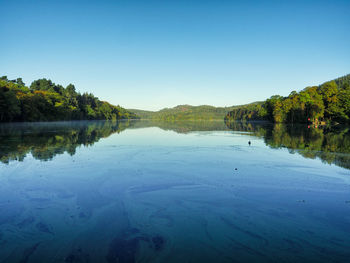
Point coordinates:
pixel 173 192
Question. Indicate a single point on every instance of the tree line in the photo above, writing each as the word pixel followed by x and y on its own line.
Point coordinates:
pixel 328 103
pixel 44 100
pixel 185 113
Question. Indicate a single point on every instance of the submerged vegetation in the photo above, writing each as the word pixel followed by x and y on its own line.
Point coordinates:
pixel 44 100
pixel 327 103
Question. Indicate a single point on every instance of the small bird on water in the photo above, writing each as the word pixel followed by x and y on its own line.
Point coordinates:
pixel 249 143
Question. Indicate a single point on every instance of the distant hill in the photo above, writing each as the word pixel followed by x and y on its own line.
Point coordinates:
pixel 187 112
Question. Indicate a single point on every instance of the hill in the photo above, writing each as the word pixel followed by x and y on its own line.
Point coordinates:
pixel 186 112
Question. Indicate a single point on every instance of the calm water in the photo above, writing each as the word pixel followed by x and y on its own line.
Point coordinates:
pixel 173 192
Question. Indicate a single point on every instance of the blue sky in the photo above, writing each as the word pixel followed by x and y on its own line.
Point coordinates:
pixel 155 54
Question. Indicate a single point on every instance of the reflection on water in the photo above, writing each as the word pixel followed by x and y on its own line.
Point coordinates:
pixel 173 192
pixel 331 145
pixel 45 140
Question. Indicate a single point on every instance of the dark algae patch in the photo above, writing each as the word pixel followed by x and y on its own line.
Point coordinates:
pixel 25 222
pixel 123 250
pixel 158 242
pixel 126 248
pixel 44 228
pixel 28 252
pixel 252 235
pixel 77 256
pixel 292 246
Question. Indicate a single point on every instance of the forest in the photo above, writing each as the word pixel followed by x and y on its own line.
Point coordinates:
pixel 44 100
pixel 326 103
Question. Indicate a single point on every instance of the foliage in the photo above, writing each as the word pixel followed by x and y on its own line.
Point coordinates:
pixel 186 112
pixel 250 111
pixel 46 101
pixel 329 102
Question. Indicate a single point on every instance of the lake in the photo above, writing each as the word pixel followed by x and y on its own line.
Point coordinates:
pixel 146 191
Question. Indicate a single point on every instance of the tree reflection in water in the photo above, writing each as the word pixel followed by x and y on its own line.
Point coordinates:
pixel 45 140
pixel 330 144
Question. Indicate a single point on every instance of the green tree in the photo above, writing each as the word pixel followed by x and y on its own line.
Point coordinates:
pixel 9 105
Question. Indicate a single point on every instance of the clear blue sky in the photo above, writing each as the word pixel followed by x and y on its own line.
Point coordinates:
pixel 155 54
